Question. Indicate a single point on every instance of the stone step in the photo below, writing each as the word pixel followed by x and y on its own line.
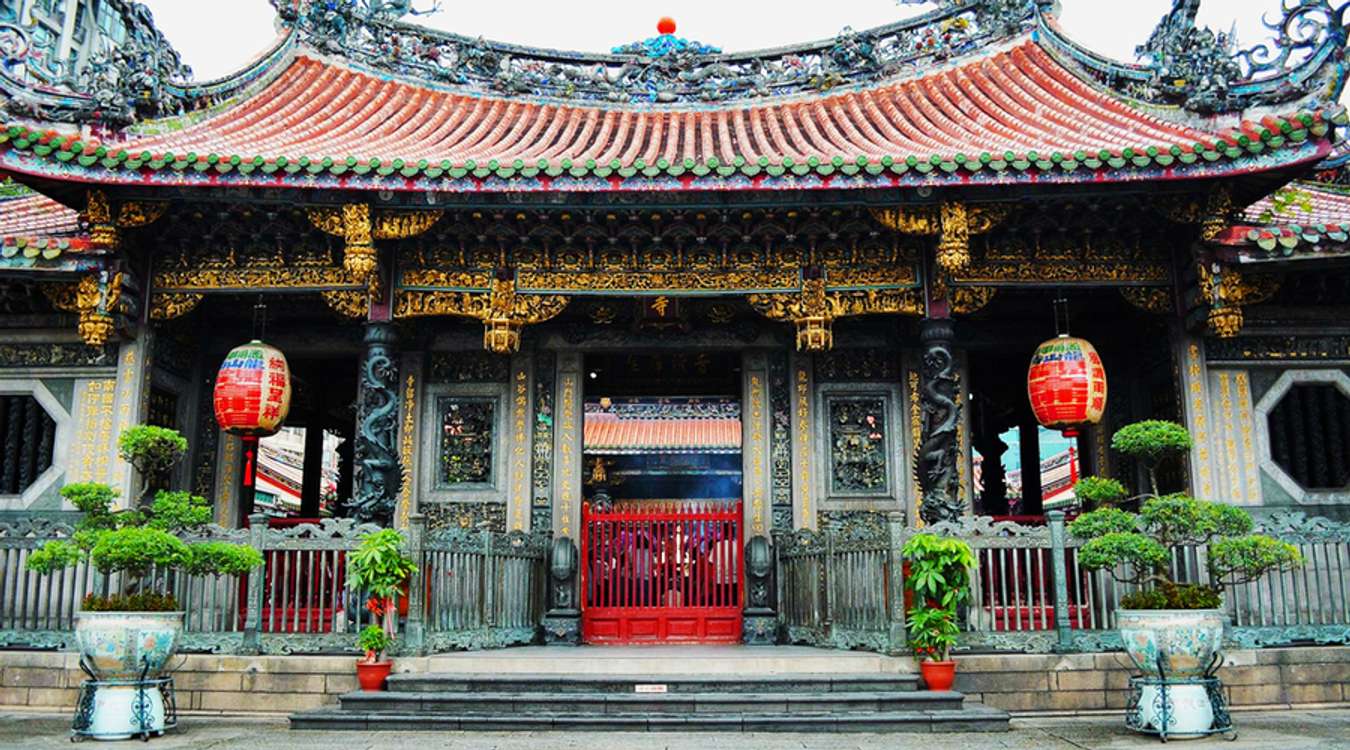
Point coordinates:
pixel 664 659
pixel 649 704
pixel 453 682
pixel 971 718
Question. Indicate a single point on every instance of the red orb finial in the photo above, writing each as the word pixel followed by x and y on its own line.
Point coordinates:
pixel 666 25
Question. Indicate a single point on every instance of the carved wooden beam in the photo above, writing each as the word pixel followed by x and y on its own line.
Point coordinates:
pixel 502 310
pixel 953 223
pixel 1225 291
pixel 359 227
pixel 814 310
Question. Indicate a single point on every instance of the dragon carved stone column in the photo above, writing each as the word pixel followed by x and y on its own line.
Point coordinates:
pixel 379 474
pixel 935 463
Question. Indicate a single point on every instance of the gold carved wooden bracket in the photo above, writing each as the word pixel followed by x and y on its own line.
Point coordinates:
pixel 502 310
pixel 359 227
pixel 1212 215
pixel 952 222
pixel 813 310
pixel 1226 291
pixel 95 297
pixel 104 222
pixel 1158 300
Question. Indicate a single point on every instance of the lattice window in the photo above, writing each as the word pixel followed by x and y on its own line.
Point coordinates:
pixel 27 434
pixel 858 460
pixel 1310 435
pixel 466 442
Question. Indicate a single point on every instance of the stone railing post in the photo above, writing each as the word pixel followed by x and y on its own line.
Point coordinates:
pixel 1059 572
pixel 253 603
pixel 895 585
pixel 414 635
pixel 827 585
pixel 489 590
pixel 562 621
pixel 759 623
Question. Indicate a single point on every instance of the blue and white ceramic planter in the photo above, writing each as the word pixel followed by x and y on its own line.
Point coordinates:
pixel 123 647
pixel 1185 643
pixel 1185 639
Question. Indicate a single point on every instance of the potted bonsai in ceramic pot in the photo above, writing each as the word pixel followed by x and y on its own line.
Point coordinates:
pixel 1174 629
pixel 129 633
pixel 378 569
pixel 153 451
pixel 938 576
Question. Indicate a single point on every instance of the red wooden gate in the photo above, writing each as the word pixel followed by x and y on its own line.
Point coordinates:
pixel 662 572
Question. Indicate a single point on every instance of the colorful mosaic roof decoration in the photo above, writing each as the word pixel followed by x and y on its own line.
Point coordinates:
pixel 36 230
pixel 1303 220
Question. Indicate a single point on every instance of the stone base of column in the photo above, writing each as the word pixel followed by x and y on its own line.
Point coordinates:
pixel 759 627
pixel 562 628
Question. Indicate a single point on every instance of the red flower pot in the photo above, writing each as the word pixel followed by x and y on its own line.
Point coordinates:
pixel 371 674
pixel 938 675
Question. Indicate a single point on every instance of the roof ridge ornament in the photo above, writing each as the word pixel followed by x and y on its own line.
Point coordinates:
pixel 1205 72
pixel 665 68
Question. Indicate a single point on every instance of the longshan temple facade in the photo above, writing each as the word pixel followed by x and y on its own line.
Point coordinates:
pixel 797 288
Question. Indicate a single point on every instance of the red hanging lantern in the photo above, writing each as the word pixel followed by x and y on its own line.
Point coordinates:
pixel 253 390
pixel 1067 384
pixel 252 398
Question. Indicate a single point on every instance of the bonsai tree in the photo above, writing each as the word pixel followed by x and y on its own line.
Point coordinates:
pixel 1136 548
pixel 1151 442
pixel 134 542
pixel 379 568
pixel 939 578
pixel 153 451
pixel 1099 492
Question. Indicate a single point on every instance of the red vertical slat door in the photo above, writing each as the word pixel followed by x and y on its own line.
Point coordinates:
pixel 662 572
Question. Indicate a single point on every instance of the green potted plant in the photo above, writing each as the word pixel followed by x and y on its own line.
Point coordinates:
pixel 153 451
pixel 938 577
pixel 131 632
pixel 1173 628
pixel 378 569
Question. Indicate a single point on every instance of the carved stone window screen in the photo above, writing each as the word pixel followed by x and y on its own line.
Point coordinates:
pixel 857 434
pixel 1310 431
pixel 858 461
pixel 1291 432
pixel 466 442
pixel 34 433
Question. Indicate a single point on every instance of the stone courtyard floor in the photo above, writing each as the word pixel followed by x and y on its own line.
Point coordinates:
pixel 1282 730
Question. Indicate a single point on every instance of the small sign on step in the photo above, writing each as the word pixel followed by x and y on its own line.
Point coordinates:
pixel 649 688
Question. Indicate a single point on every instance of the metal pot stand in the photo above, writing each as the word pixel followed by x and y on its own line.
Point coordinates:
pixel 1163 705
pixel 142 718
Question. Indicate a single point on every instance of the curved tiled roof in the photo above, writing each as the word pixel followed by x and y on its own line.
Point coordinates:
pixel 607 433
pixel 33 226
pixel 993 118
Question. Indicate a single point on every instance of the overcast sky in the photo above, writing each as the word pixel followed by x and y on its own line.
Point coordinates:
pixel 218 37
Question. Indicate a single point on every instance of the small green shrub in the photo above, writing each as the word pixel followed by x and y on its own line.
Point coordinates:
pixel 1099 492
pixel 153 451
pixel 379 566
pixel 146 602
pixel 939 577
pixel 939 568
pixel 1184 596
pixel 374 642
pixel 933 632
pixel 1151 442
pixel 1135 548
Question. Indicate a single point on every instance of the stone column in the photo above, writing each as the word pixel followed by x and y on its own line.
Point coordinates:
pixel 939 449
pixel 801 405
pixel 756 481
pixel 379 474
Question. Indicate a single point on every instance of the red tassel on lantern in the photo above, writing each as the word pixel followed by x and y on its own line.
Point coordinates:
pixel 1067 384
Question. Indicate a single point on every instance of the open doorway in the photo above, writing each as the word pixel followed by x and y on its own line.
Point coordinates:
pixel 662 522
